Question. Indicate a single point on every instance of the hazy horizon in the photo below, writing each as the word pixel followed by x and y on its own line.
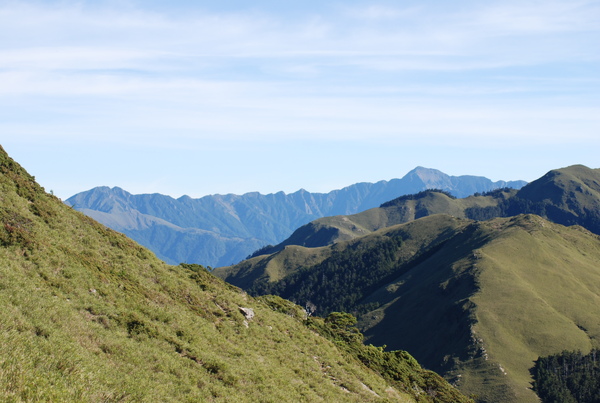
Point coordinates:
pixel 200 98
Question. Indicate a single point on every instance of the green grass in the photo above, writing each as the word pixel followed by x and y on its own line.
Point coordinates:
pixel 539 294
pixel 475 301
pixel 89 315
pixel 513 290
pixel 484 306
pixel 272 268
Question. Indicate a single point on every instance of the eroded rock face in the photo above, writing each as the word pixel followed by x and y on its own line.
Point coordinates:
pixel 248 313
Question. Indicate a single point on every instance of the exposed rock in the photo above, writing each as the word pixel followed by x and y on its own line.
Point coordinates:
pixel 248 312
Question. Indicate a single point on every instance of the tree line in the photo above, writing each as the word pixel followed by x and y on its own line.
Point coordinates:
pixel 340 282
pixel 568 377
pixel 415 196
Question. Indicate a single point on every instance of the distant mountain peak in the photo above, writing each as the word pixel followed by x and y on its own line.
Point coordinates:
pixel 81 302
pixel 230 227
pixel 429 177
pixel 420 169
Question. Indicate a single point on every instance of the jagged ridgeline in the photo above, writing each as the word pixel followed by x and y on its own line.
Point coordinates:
pixel 220 230
pixel 89 315
pixel 478 301
pixel 567 196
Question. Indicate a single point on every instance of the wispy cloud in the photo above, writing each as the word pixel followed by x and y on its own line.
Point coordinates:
pixel 428 72
pixel 124 35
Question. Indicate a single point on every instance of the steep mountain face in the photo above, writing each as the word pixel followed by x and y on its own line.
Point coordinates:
pixel 220 230
pixel 328 230
pixel 568 196
pixel 523 288
pixel 476 301
pixel 89 315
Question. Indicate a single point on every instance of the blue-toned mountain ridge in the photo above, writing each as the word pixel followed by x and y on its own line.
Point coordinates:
pixel 219 230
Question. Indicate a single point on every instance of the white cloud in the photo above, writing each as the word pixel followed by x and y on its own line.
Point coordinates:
pixel 539 17
pixel 379 13
pixel 464 33
pixel 366 72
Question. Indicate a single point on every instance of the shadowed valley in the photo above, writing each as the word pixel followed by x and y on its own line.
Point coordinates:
pixel 478 301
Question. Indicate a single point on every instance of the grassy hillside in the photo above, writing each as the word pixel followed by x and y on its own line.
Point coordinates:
pixel 272 268
pixel 568 196
pixel 531 288
pixel 341 277
pixel 329 230
pixel 230 227
pixel 475 301
pixel 89 315
pixel 539 294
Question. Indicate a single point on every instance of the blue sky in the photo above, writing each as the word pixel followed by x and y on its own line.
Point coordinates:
pixel 198 97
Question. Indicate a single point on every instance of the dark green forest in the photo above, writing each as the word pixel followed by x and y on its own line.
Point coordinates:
pixel 514 205
pixel 568 377
pixel 341 281
pixel 415 196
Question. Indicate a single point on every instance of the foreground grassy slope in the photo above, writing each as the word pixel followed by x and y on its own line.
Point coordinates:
pixel 475 301
pixel 89 315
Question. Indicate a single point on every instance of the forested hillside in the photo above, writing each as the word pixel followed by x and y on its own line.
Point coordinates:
pixel 568 377
pixel 568 196
pixel 477 301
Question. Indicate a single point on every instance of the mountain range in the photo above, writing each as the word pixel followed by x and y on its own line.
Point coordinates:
pixel 476 288
pixel 219 230
pixel 568 196
pixel 90 315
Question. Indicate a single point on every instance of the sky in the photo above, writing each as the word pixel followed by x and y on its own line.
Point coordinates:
pixel 194 98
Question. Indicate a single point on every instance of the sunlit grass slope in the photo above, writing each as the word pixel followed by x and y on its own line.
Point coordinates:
pixel 475 301
pixel 329 230
pixel 491 301
pixel 88 315
pixel 539 294
pixel 272 268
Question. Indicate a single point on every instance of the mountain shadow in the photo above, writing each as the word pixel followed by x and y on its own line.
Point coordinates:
pixel 568 196
pixel 477 301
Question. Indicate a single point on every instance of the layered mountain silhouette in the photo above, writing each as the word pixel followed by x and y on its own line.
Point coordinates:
pixel 219 230
pixel 566 196
pixel 89 315
pixel 476 288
